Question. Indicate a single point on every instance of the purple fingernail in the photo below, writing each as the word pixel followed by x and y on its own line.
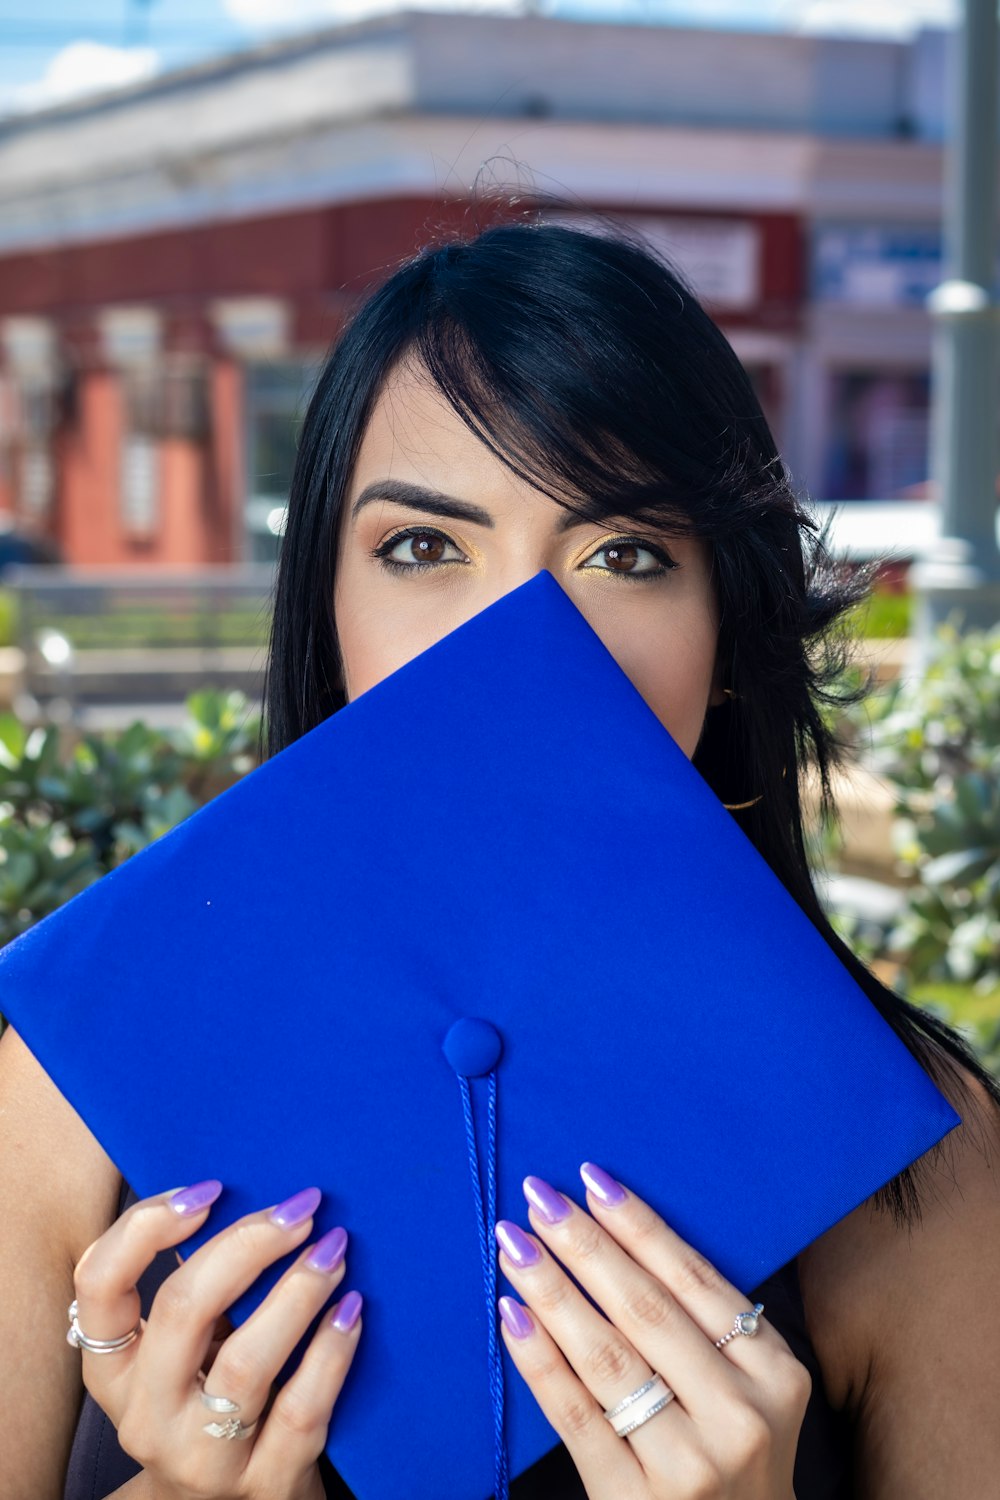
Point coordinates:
pixel 604 1188
pixel 515 1244
pixel 516 1319
pixel 296 1209
pixel 328 1252
pixel 347 1312
pixel 191 1200
pixel 551 1205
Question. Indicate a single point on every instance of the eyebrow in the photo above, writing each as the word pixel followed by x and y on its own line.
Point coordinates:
pixel 436 503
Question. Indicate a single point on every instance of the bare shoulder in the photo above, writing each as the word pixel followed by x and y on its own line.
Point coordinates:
pixel 58 1193
pixel 905 1321
pixel 48 1156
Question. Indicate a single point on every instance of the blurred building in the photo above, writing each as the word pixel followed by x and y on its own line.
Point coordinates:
pixel 176 257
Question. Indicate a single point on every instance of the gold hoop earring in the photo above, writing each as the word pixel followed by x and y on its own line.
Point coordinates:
pixel 739 806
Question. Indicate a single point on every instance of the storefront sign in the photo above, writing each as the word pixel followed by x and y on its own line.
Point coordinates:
pixel 719 257
pixel 870 266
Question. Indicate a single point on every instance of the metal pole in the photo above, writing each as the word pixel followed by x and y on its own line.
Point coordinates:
pixel 960 573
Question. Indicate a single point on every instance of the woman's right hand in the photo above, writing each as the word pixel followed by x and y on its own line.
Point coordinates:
pixel 152 1389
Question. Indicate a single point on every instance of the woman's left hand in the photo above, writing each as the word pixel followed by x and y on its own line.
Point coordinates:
pixel 731 1430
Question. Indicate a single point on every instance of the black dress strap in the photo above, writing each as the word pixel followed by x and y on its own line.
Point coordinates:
pixel 98 1465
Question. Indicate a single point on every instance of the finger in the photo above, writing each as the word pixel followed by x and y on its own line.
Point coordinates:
pixel 107 1273
pixel 646 1312
pixel 295 1430
pixel 709 1299
pixel 605 1462
pixel 247 1364
pixel 603 1359
pixel 189 1302
pixel 249 1361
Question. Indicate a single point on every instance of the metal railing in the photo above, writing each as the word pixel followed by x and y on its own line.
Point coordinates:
pixel 100 644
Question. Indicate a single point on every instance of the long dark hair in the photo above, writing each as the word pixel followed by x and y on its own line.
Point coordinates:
pixel 587 365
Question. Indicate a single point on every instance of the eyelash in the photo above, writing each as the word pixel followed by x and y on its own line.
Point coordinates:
pixel 393 565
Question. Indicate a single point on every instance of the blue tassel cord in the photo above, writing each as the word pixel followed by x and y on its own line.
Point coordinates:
pixel 484 1188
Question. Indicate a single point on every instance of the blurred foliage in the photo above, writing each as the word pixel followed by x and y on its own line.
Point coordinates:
pixel 884 615
pixel 113 628
pixel 935 741
pixel 8 618
pixel 71 809
pixel 126 621
pixel 974 1014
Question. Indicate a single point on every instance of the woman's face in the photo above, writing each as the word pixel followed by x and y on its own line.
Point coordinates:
pixel 435 528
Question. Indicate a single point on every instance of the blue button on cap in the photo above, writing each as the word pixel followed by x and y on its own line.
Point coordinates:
pixel 473 1047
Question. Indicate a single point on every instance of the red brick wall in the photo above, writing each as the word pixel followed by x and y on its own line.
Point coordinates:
pixel 319 260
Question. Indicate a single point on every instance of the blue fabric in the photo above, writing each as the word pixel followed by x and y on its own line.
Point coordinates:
pixel 501 829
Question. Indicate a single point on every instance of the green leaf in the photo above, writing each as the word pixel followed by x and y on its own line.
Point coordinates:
pixel 960 867
pixel 13 738
pixel 52 788
pixel 17 872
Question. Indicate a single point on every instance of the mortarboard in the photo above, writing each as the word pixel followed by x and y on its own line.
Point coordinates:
pixel 282 990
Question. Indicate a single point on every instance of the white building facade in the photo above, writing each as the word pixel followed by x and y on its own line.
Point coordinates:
pixel 175 257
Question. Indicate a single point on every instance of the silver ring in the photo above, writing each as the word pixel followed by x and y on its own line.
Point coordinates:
pixel 637 1408
pixel 746 1323
pixel 79 1340
pixel 616 1411
pixel 220 1403
pixel 652 1411
pixel 231 1429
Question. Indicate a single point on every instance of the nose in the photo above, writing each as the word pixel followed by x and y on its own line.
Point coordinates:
pixel 510 578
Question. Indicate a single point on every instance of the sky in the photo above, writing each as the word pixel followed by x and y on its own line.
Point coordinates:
pixel 59 49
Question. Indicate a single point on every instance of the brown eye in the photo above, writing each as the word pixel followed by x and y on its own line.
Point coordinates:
pixel 630 559
pixel 416 548
pixel 427 546
pixel 622 557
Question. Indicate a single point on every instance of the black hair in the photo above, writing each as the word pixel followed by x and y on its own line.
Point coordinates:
pixel 587 365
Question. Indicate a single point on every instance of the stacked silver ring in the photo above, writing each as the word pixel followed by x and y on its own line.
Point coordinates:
pixel 79 1339
pixel 638 1408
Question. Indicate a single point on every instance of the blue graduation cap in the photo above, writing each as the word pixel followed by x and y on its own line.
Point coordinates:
pixel 283 989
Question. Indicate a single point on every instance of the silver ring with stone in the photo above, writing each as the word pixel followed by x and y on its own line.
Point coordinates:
pixel 640 1406
pixel 79 1340
pixel 230 1429
pixel 746 1323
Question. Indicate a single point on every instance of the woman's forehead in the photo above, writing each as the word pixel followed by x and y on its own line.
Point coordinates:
pixel 414 433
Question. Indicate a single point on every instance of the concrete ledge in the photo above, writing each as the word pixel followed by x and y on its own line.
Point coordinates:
pixel 890 658
pixel 11 674
pixel 865 803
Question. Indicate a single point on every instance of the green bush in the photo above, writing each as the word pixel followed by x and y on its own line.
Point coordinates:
pixel 975 1015
pixel 884 615
pixel 8 618
pixel 935 740
pixel 73 809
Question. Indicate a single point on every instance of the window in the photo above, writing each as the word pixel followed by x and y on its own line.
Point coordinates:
pixel 276 397
pixel 36 479
pixel 139 481
pixel 878 434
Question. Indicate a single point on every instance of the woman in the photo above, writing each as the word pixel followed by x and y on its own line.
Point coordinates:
pixel 538 398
